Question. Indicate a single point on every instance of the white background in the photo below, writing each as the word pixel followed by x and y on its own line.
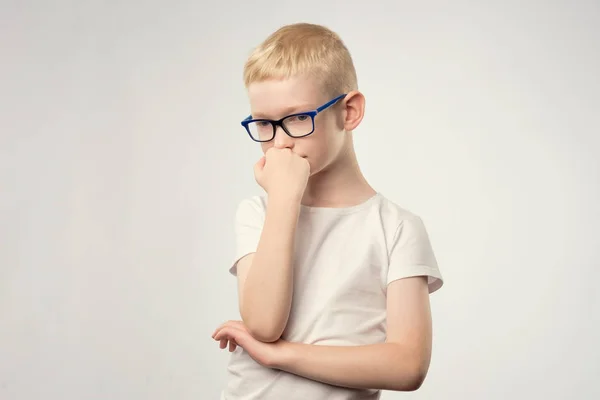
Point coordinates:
pixel 122 161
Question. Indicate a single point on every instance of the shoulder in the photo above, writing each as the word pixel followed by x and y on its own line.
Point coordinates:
pixel 397 217
pixel 250 213
pixel 403 226
pixel 254 205
pixel 396 212
pixel 410 250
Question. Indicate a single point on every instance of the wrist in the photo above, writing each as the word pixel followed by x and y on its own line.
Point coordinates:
pixel 285 199
pixel 286 355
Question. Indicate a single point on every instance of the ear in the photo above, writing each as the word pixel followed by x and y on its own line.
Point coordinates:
pixel 354 110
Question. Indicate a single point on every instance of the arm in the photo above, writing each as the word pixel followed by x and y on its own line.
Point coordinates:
pixel 401 363
pixel 265 278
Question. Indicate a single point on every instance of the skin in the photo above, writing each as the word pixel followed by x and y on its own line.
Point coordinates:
pixel 335 177
pixel 328 176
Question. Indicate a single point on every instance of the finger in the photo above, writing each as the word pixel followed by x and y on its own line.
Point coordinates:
pixel 218 329
pixel 223 343
pixel 223 333
pixel 230 333
pixel 228 323
pixel 237 324
pixel 232 345
pixel 260 164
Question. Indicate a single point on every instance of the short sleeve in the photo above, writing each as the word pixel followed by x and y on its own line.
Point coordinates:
pixel 249 221
pixel 411 254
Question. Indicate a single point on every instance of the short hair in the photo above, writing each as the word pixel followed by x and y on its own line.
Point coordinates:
pixel 305 49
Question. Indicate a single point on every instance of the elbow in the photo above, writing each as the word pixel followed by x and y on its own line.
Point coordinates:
pixel 414 383
pixel 264 335
pixel 409 383
pixel 412 379
pixel 261 330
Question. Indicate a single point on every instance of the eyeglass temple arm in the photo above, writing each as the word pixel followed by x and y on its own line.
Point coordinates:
pixel 331 102
pixel 323 107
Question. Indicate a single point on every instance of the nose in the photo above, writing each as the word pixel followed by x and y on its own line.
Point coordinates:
pixel 282 139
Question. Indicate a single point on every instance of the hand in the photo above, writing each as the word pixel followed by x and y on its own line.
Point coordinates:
pixel 236 334
pixel 282 172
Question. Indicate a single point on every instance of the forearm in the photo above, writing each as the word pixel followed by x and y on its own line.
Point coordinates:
pixel 386 366
pixel 268 287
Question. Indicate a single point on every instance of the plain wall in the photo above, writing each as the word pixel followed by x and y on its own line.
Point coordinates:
pixel 122 161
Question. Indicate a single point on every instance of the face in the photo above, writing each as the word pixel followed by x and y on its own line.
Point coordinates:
pixel 275 99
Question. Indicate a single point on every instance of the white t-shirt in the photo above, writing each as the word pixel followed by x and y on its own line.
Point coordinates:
pixel 343 261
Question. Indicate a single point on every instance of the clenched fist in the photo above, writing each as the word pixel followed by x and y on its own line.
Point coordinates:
pixel 282 173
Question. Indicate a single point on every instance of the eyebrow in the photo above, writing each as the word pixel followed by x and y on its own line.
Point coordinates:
pixel 286 111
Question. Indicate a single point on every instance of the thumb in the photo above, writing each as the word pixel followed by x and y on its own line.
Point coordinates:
pixel 260 164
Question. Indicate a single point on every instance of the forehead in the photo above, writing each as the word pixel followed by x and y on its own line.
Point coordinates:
pixel 275 98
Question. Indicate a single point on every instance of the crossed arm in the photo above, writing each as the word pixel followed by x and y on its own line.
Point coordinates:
pixel 265 285
pixel 401 363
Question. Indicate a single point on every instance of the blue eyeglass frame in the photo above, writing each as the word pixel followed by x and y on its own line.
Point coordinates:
pixel 276 123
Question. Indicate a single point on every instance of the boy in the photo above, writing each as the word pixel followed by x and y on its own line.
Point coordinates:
pixel 333 278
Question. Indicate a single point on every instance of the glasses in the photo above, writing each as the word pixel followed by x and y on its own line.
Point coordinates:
pixel 295 125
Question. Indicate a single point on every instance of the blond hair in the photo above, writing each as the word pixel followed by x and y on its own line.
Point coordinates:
pixel 303 49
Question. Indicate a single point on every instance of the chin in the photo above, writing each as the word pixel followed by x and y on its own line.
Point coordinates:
pixel 315 169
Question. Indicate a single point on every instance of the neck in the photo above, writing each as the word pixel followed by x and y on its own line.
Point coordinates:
pixel 341 184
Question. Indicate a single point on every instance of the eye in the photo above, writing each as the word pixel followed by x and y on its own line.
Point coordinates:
pixel 297 118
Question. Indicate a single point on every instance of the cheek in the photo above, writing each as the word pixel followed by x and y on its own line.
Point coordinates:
pixel 317 149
